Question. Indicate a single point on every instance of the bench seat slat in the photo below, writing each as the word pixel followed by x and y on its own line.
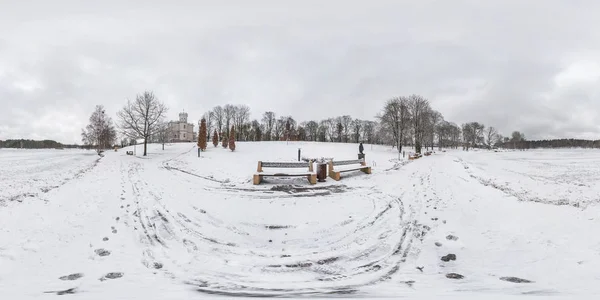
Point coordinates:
pixel 351 169
pixel 347 162
pixel 284 174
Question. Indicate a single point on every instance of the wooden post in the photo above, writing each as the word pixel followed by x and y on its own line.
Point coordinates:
pixel 256 179
pixel 259 168
pixel 312 178
pixel 332 173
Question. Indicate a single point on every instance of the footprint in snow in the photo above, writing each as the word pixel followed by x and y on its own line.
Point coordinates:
pixel 102 252
pixel 515 280
pixel 454 276
pixel 71 277
pixel 451 237
pixel 65 292
pixel 112 275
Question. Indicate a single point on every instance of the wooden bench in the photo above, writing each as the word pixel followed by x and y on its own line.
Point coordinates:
pixel 310 174
pixel 356 165
pixel 414 156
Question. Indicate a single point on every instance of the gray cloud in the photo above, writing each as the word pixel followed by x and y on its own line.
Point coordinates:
pixel 531 66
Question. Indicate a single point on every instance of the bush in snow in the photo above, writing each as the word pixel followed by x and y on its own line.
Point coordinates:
pixel 202 135
pixel 232 139
pixel 215 138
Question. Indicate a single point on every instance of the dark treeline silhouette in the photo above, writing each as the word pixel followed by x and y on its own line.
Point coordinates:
pixel 557 143
pixel 41 144
pixel 31 144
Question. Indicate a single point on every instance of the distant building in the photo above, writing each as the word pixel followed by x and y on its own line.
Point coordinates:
pixel 181 131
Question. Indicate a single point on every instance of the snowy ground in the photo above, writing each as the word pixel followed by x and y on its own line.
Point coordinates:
pixel 174 226
pixel 32 173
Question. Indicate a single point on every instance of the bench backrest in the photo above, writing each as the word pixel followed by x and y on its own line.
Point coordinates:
pixel 348 162
pixel 268 164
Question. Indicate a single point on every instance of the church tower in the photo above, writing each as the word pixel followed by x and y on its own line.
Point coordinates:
pixel 183 117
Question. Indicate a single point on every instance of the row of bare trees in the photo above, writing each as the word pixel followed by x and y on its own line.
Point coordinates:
pixel 404 120
pixel 410 120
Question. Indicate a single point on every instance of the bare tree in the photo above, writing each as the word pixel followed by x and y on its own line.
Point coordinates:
pixel 219 118
pixel 418 108
pixel 433 121
pixel 368 131
pixel 330 129
pixel 279 128
pixel 339 129
pixel 228 115
pixel 499 139
pixel 162 134
pixel 209 117
pixel 491 136
pixel 290 128
pixel 268 121
pixel 240 118
pixel 100 132
pixel 356 129
pixel 312 130
pixel 517 137
pixel 395 119
pixel 256 131
pixel 141 118
pixel 347 127
pixel 473 134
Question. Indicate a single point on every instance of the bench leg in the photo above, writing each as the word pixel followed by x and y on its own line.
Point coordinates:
pixel 312 178
pixel 366 170
pixel 257 179
pixel 334 175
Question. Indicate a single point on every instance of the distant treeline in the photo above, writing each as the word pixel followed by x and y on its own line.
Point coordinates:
pixel 33 144
pixel 559 143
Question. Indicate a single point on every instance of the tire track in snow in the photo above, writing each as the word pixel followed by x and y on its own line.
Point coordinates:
pixel 336 260
pixel 522 196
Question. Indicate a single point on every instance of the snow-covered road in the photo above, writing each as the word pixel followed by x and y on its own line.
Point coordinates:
pixel 172 226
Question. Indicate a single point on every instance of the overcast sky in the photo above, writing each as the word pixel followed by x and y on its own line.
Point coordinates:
pixel 532 66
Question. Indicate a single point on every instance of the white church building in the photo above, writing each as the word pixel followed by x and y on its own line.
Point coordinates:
pixel 181 131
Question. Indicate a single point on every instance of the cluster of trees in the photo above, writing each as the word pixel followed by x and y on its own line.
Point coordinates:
pixel 283 128
pixel 141 118
pixel 403 121
pixel 410 120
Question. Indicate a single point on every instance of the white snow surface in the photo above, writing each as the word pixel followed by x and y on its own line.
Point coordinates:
pixel 173 225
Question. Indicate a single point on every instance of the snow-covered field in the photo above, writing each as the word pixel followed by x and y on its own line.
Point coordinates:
pixel 175 226
pixel 32 173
